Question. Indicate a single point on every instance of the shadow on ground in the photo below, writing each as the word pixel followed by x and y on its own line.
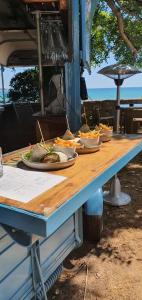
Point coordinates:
pixel 120 242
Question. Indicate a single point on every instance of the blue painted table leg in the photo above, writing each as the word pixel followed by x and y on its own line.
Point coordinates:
pixel 93 217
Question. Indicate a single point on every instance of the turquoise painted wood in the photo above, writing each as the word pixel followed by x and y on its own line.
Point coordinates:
pixel 72 71
pixel 87 12
pixel 15 261
pixel 94 205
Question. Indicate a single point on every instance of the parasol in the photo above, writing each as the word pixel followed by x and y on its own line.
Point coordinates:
pixel 119 72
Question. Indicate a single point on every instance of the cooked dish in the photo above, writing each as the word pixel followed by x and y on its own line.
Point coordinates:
pixel 65 143
pixel 105 131
pixel 45 154
pixel 103 127
pixel 89 135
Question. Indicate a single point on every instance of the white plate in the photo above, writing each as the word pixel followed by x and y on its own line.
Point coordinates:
pixel 49 166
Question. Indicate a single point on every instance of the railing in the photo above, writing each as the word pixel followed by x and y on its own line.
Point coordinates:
pixel 131 101
pixel 105 111
pixel 122 101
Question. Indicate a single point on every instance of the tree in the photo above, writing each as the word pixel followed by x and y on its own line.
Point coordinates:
pixel 24 87
pixel 117 29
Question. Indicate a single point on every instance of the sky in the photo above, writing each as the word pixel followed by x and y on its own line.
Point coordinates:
pixel 96 80
pixel 93 81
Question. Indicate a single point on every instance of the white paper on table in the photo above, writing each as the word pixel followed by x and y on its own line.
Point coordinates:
pixel 23 186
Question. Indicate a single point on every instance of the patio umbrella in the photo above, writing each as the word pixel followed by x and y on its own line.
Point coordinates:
pixel 119 72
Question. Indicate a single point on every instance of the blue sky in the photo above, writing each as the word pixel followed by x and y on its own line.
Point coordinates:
pixel 93 81
pixel 99 81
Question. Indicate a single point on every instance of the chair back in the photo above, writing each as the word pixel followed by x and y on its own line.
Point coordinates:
pixel 107 108
pixel 99 111
pixel 24 113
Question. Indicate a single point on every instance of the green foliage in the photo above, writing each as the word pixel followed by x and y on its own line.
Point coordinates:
pixel 24 87
pixel 106 39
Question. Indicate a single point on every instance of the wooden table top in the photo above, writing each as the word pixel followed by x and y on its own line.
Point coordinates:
pixel 86 168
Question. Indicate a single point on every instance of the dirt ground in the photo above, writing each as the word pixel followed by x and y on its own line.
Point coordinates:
pixel 111 269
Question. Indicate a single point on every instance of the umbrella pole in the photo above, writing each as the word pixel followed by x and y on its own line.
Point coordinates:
pixel 118 109
pixel 116 197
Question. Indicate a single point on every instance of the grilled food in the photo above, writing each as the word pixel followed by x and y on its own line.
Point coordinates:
pixel 43 153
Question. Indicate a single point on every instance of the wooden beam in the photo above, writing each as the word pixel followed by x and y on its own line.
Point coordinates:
pixel 39 1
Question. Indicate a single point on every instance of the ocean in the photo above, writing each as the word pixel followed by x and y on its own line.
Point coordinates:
pixel 105 93
pixel 110 93
pixel 1 95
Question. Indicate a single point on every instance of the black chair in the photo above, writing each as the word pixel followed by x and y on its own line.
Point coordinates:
pixel 99 112
pixel 24 113
pixel 133 120
pixel 26 123
pixel 107 112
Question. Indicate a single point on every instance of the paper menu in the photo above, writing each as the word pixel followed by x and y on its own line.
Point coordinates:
pixel 23 186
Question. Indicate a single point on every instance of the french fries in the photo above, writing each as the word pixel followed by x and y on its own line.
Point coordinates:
pixel 65 143
pixel 103 127
pixel 89 135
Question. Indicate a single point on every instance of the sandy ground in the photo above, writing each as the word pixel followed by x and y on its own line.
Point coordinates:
pixel 111 269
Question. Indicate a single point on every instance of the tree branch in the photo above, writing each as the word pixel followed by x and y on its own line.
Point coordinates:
pixel 128 12
pixel 117 13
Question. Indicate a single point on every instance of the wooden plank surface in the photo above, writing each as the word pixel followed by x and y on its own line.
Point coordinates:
pixel 85 170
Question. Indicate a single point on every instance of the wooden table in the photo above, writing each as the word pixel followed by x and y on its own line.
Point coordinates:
pixel 51 224
pixel 44 214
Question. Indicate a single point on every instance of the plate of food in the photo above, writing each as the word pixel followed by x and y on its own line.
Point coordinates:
pixel 66 146
pixel 44 157
pixel 105 131
pixel 85 150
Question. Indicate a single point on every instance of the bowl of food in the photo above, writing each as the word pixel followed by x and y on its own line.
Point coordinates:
pixel 106 132
pixel 66 146
pixel 89 139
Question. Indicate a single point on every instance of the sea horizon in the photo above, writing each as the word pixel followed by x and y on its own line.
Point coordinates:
pixel 103 93
pixel 110 93
pixel 122 87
